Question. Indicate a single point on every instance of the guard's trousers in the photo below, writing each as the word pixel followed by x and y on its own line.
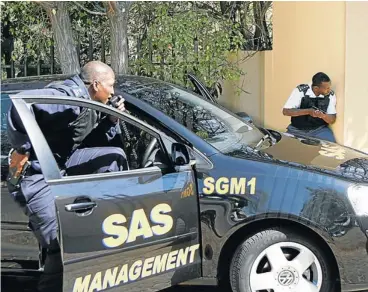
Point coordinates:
pixel 35 198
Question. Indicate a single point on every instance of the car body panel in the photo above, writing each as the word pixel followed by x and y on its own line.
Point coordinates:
pixel 309 200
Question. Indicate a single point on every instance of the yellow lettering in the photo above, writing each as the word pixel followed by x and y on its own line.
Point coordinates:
pixel 159 264
pixel 188 191
pixel 139 226
pixel 96 283
pixel 209 187
pixel 123 275
pixel 172 257
pixel 81 284
pixel 225 189
pixel 182 257
pixel 109 278
pixel 237 186
pixel 148 263
pixel 192 251
pixel 139 269
pixel 109 227
pixel 135 270
pixel 252 184
pixel 166 222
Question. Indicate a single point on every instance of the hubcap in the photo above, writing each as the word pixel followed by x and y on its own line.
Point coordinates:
pixel 288 277
pixel 286 266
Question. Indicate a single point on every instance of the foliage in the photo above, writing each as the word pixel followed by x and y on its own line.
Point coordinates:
pixel 28 24
pixel 90 29
pixel 181 39
pixel 166 39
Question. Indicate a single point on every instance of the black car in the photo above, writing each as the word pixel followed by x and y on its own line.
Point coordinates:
pixel 209 197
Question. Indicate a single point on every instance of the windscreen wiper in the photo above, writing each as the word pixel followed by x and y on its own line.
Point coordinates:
pixel 263 139
pixel 268 136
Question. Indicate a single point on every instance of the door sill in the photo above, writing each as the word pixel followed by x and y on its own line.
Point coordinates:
pixel 200 282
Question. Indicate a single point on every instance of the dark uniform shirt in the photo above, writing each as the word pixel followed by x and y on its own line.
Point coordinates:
pixel 65 127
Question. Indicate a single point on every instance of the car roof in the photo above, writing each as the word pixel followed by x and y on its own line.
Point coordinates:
pixel 36 82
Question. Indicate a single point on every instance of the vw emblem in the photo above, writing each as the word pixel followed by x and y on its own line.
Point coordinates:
pixel 286 278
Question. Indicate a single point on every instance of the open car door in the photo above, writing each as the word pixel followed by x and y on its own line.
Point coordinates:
pixel 137 228
pixel 202 90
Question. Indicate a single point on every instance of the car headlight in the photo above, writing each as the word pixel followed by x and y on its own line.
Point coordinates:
pixel 358 196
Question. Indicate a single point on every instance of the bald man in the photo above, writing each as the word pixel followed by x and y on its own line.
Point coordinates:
pixel 79 139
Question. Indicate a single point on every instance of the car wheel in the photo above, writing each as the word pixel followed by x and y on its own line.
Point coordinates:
pixel 278 260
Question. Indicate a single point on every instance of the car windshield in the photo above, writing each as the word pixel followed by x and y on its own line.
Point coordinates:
pixel 217 126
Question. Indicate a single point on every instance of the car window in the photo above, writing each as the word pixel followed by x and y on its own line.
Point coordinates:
pixel 215 125
pixel 135 141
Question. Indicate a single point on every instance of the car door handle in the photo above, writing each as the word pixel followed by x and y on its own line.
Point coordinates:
pixel 84 206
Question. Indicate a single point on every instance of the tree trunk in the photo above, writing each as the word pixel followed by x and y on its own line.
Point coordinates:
pixel 261 36
pixel 257 39
pixel 63 35
pixel 266 5
pixel 224 6
pixel 117 11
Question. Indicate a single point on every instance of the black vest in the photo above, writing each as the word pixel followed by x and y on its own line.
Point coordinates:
pixel 308 122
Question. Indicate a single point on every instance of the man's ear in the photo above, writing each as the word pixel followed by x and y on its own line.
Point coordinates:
pixel 95 85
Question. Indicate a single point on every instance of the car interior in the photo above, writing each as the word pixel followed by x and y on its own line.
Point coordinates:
pixel 142 149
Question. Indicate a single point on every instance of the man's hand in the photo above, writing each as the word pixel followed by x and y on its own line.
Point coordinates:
pixel 329 119
pixel 120 106
pixel 315 113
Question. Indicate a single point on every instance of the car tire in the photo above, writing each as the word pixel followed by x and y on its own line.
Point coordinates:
pixel 273 260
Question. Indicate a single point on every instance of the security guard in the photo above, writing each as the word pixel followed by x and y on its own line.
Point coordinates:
pixel 312 108
pixel 75 136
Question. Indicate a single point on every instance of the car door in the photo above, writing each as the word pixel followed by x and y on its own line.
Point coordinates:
pixel 200 88
pixel 137 228
pixel 204 92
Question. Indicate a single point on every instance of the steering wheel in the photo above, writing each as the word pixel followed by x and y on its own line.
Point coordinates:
pixel 148 152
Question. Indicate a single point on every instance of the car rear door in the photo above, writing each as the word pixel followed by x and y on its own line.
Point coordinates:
pixel 137 228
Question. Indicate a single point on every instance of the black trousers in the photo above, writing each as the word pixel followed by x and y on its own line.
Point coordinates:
pixel 35 198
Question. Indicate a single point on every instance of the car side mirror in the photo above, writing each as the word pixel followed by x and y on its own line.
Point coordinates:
pixel 180 155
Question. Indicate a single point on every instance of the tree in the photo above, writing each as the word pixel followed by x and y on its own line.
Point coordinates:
pixel 117 12
pixel 28 40
pixel 63 34
pixel 179 38
pixel 169 39
pixel 251 18
pixel 160 39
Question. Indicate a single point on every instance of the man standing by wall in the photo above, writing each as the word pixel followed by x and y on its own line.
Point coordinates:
pixel 312 108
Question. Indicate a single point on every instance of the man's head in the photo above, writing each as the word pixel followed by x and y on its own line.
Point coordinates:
pixel 99 78
pixel 321 84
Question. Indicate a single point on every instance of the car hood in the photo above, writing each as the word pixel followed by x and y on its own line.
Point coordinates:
pixel 314 154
